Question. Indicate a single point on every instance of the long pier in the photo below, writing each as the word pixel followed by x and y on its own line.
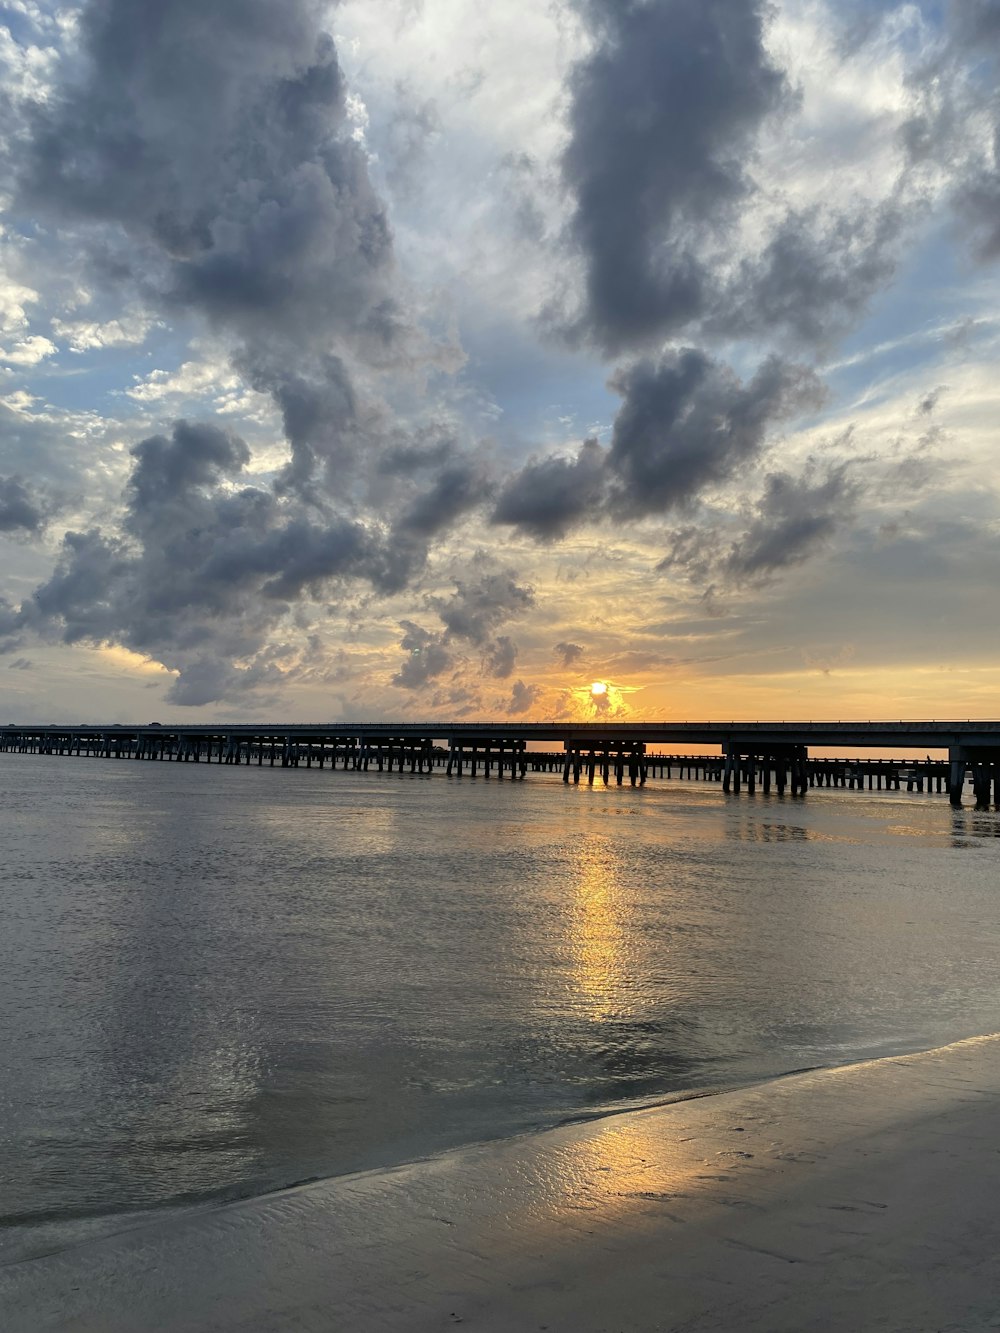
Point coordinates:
pixel 765 755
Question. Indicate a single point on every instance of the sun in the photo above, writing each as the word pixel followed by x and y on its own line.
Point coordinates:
pixel 598 688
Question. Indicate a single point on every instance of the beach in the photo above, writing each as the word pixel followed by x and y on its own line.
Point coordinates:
pixel 859 1197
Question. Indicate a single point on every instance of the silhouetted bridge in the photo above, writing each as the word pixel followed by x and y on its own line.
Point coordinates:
pixel 751 754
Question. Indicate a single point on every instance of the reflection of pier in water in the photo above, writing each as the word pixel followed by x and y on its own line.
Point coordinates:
pixel 765 756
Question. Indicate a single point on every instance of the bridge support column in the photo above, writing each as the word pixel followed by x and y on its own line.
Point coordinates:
pixel 727 772
pixel 958 761
pixel 800 764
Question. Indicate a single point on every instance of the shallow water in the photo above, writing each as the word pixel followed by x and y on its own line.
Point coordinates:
pixel 216 981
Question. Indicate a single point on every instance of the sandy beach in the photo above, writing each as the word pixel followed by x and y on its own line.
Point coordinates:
pixel 862 1197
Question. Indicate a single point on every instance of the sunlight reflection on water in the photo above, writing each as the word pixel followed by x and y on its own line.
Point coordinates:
pixel 220 981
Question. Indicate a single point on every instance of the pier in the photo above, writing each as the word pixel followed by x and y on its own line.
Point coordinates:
pixel 751 756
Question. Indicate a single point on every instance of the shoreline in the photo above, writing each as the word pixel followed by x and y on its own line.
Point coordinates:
pixel 851 1196
pixel 96 1226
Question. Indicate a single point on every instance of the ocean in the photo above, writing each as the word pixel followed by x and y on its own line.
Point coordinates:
pixel 217 981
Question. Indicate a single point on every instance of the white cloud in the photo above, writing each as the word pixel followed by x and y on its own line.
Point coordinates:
pixel 193 379
pixel 88 335
pixel 29 351
pixel 14 297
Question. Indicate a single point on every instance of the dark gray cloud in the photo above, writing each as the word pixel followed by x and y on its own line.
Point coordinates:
pixel 460 486
pixel 194 458
pixel 319 412
pixel 569 653
pixel 203 156
pixel 664 114
pixel 522 698
pixel 428 657
pixel 815 275
pixel 205 680
pixel 20 510
pixel 211 132
pixel 500 658
pixel 546 499
pixel 475 611
pixel 200 155
pixel 11 625
pixel 687 422
pixel 204 568
pixel 794 516
pixel 956 91
pixel 694 552
pixel 479 606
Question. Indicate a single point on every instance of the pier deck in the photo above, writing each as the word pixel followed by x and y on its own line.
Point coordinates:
pixel 751 754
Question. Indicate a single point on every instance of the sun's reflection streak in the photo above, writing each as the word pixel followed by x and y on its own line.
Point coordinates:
pixel 602 947
pixel 627 1168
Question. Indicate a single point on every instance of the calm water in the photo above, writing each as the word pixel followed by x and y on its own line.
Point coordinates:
pixel 219 981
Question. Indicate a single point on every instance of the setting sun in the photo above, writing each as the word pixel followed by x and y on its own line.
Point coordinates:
pixel 598 687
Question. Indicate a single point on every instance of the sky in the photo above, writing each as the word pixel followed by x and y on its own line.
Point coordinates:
pixel 402 359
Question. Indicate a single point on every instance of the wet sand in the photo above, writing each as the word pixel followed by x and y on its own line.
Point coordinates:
pixel 866 1197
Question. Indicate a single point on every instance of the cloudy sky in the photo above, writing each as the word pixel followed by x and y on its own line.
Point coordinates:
pixel 404 358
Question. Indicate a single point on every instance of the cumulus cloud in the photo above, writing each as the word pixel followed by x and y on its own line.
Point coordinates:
pixel 792 518
pixel 428 657
pixel 686 423
pixel 473 614
pixel 663 115
pixel 569 653
pixel 677 230
pixel 28 351
pixel 479 606
pixel 213 175
pixel 87 335
pixel 815 275
pixel 204 567
pixel 459 486
pixel 14 300
pixel 217 138
pixel 796 514
pixel 547 498
pixel 501 657
pixel 20 510
pixel 205 160
pixel 522 698
pixel 10 626
pixel 209 132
